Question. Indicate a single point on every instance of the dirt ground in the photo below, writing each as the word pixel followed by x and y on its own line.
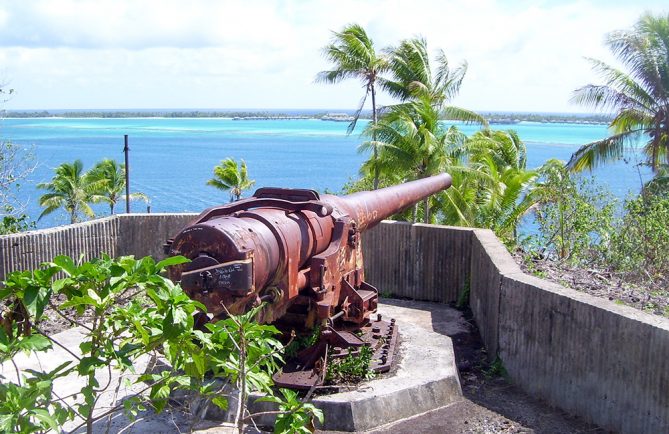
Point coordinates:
pixel 491 404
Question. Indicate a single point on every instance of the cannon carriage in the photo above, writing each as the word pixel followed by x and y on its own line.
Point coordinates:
pixel 300 252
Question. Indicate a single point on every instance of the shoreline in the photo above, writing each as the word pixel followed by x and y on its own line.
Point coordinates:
pixel 493 118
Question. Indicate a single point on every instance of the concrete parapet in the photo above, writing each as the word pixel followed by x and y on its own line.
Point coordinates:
pixel 144 234
pixel 589 356
pixel 419 261
pixel 607 363
pixel 122 234
pixel 489 262
pixel 27 250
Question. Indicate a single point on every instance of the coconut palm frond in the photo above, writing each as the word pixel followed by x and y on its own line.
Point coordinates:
pixel 639 95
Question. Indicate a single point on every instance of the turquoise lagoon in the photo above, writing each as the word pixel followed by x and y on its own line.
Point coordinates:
pixel 171 159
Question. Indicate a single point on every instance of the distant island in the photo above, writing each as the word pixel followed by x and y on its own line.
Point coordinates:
pixel 340 116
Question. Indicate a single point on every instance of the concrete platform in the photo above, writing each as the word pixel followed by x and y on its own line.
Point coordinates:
pixel 426 378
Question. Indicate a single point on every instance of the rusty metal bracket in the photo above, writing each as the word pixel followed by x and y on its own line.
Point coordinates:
pixel 304 372
pixel 321 209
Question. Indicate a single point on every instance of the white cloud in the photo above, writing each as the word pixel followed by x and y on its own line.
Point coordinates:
pixel 214 54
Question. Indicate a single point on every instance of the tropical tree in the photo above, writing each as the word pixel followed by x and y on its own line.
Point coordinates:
pixel 229 176
pixel 107 178
pixel 411 136
pixel 70 189
pixel 492 188
pixel 413 77
pixel 639 97
pixel 412 143
pixel 16 164
pixel 353 55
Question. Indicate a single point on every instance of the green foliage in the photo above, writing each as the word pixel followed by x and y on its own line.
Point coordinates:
pixel 581 224
pixel 575 217
pixel 229 176
pixel 12 223
pixel 352 368
pixel 132 311
pixel 492 187
pixel 496 369
pixel 639 95
pixel 353 55
pixel 96 287
pixel 294 415
pixel 108 181
pixel 303 341
pixel 415 78
pixel 641 241
pixel 31 406
pixel 74 189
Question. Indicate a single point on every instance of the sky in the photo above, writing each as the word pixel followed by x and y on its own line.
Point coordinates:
pixel 251 54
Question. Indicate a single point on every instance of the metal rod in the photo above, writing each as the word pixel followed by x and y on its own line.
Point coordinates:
pixel 127 175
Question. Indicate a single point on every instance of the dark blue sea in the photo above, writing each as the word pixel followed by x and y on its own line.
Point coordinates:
pixel 171 159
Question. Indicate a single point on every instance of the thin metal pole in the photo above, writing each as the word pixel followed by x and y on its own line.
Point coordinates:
pixel 127 175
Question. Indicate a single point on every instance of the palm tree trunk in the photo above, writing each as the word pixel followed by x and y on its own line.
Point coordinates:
pixel 376 151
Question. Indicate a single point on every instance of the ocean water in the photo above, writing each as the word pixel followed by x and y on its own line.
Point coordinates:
pixel 171 159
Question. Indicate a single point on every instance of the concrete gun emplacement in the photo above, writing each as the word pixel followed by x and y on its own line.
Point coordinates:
pixel 297 250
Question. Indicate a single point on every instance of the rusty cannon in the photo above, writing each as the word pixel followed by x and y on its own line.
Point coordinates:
pixel 299 251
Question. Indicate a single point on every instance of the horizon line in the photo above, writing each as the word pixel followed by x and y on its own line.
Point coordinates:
pixel 260 110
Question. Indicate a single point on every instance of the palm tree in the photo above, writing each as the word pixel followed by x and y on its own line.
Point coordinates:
pixel 70 189
pixel 353 55
pixel 231 177
pixel 108 179
pixel 412 142
pixel 411 135
pixel 492 187
pixel 413 77
pixel 640 97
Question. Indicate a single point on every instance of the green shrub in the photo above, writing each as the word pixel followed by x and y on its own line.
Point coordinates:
pixel 131 311
pixel 640 245
pixel 11 223
pixel 575 218
pixel 353 368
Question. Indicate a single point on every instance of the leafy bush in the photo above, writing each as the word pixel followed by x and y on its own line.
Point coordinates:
pixel 580 224
pixel 641 241
pixel 575 218
pixel 11 223
pixel 131 311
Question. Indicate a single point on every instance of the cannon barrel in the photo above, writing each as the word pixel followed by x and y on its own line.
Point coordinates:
pixel 368 208
pixel 295 248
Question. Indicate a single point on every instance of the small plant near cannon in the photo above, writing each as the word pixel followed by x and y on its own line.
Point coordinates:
pixel 126 313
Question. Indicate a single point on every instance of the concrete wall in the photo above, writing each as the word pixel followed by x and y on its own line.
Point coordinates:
pixel 28 250
pixel 123 234
pixel 589 356
pixel 607 363
pixel 144 234
pixel 422 262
